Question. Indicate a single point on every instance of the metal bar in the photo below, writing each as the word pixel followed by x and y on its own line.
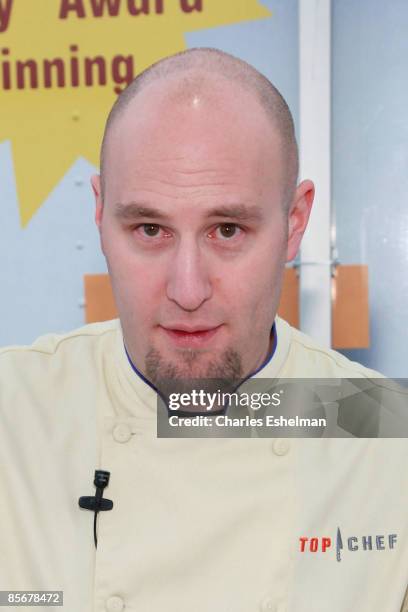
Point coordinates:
pixel 315 161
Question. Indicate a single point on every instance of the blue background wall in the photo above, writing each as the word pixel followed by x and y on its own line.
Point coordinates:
pixel 370 165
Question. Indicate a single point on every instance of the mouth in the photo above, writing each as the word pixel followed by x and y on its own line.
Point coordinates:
pixel 190 337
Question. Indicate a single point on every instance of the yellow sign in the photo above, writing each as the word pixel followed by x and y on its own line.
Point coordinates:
pixel 62 62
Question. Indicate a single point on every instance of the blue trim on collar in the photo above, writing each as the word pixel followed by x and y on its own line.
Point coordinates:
pixel 134 368
pixel 265 363
pixel 271 354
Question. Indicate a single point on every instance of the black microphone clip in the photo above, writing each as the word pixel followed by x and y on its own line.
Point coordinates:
pixel 97 502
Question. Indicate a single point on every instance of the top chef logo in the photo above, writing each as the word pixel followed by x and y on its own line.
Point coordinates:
pixel 351 543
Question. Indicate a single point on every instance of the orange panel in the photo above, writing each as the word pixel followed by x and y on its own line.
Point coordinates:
pixel 289 301
pixel 350 310
pixel 99 302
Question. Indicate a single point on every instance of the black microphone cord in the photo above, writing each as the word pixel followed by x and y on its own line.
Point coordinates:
pixel 97 502
pixel 95 537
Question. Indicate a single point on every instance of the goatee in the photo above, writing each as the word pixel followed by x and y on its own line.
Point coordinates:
pixel 223 374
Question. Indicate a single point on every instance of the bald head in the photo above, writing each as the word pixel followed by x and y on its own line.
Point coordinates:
pixel 192 75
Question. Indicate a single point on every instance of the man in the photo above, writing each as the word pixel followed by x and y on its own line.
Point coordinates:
pixel 198 210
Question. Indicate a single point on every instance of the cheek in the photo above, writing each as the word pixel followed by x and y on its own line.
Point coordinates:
pixel 262 269
pixel 248 295
pixel 137 285
pixel 254 289
pixel 141 285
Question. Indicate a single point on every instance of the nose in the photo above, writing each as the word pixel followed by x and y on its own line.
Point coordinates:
pixel 188 281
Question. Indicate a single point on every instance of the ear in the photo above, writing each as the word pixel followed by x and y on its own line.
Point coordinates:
pixel 298 217
pixel 96 188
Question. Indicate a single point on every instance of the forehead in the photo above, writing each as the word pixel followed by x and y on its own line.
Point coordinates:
pixel 215 136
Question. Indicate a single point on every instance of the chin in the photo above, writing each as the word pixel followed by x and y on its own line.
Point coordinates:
pixel 192 363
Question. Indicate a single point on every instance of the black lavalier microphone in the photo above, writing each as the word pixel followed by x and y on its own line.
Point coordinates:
pixel 97 502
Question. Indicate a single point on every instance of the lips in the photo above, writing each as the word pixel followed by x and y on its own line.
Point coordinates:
pixel 190 329
pixel 188 336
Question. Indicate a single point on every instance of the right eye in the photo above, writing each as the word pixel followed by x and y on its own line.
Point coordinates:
pixel 150 229
pixel 151 232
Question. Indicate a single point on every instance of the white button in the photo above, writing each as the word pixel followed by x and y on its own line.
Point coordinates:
pixel 267 605
pixel 122 433
pixel 281 446
pixel 115 604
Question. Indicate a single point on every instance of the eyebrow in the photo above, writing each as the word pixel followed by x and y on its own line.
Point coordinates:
pixel 130 211
pixel 240 212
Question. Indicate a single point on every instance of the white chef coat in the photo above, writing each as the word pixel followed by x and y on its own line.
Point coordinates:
pixel 197 524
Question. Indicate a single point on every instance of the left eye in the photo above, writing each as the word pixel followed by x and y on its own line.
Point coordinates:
pixel 227 230
pixel 151 229
pixel 151 232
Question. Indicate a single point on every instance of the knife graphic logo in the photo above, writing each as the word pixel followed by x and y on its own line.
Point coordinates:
pixel 339 544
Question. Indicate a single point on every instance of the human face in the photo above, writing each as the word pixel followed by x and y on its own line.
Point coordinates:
pixel 194 231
